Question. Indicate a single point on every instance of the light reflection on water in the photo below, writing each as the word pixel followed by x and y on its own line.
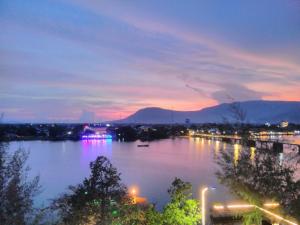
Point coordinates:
pixel 252 153
pixel 152 169
pixel 236 156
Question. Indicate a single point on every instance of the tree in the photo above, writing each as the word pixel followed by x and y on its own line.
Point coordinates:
pixel 238 114
pixel 260 178
pixel 237 120
pixel 102 199
pixel 16 190
pixel 182 210
pixel 56 131
pixel 97 200
pixel 153 217
pixel 132 214
pixel 126 133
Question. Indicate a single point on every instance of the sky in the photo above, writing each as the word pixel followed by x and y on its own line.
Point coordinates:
pixel 97 60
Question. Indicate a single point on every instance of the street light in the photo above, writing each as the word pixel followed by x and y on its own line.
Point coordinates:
pixel 204 190
pixel 133 192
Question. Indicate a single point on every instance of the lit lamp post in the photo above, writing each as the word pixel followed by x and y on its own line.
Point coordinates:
pixel 133 193
pixel 203 191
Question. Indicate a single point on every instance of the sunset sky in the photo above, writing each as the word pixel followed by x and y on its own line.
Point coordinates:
pixel 65 60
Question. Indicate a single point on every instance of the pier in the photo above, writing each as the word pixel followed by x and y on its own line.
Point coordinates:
pixel 276 146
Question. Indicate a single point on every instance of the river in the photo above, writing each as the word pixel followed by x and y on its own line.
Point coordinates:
pixel 150 169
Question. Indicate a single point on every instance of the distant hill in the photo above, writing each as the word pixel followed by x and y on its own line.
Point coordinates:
pixel 257 112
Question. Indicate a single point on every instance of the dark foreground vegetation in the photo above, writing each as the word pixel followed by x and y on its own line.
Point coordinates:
pixel 260 176
pixel 16 190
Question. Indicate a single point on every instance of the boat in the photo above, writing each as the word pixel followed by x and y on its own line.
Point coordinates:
pixel 143 145
pixel 96 136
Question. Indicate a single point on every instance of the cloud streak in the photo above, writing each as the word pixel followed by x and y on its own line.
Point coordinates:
pixel 112 59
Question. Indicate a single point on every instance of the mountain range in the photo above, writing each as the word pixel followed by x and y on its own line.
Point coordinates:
pixel 259 111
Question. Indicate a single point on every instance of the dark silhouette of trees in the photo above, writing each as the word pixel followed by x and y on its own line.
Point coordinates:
pixel 126 133
pixel 2 128
pixel 56 132
pixel 103 200
pixel 154 133
pixel 237 112
pixel 260 177
pixel 237 119
pixel 26 130
pixel 16 190
pixel 97 200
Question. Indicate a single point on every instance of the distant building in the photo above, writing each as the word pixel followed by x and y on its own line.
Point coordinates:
pixel 284 124
pixel 95 133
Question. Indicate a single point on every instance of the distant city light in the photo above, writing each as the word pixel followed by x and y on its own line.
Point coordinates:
pixel 284 124
pixel 267 124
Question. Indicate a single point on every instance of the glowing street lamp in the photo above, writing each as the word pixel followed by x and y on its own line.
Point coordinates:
pixel 203 191
pixel 133 192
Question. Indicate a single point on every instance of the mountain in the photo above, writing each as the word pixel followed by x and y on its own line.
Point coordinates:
pixel 256 112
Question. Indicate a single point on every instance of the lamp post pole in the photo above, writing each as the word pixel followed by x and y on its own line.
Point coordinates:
pixel 203 204
pixel 204 190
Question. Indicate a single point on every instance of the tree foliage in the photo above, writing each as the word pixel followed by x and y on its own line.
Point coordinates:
pixel 97 200
pixel 260 178
pixel 103 199
pixel 16 190
pixel 182 209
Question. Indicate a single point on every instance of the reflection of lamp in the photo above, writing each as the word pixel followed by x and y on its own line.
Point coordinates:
pixel 204 190
pixel 236 154
pixel 252 153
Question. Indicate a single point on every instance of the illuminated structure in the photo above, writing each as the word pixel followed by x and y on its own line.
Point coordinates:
pixel 284 124
pixel 95 133
pixel 96 136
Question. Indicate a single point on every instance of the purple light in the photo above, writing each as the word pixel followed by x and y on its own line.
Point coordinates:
pixel 96 136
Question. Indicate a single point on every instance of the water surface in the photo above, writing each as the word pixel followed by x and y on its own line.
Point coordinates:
pixel 151 169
